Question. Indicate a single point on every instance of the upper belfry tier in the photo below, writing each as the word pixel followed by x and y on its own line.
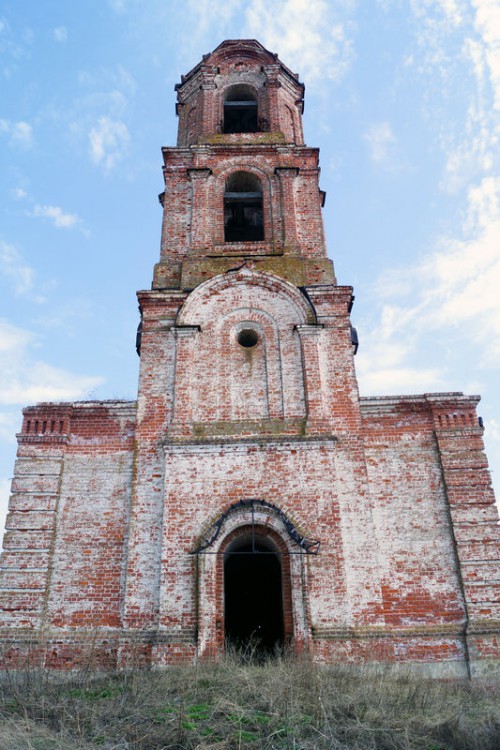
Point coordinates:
pixel 241 185
pixel 237 94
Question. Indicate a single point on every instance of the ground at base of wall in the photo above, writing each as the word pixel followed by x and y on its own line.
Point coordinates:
pixel 277 705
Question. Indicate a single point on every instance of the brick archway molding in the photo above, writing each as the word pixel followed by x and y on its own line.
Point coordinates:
pixel 265 523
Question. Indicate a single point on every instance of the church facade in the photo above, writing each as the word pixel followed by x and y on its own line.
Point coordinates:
pixel 250 495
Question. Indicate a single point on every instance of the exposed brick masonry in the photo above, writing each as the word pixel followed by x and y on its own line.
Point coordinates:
pixel 249 428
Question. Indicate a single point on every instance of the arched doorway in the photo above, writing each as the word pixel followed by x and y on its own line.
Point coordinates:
pixel 253 595
pixel 256 530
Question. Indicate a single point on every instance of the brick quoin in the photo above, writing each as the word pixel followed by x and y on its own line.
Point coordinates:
pixel 361 529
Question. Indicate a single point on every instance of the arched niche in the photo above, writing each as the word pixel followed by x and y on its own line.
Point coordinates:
pixel 247 360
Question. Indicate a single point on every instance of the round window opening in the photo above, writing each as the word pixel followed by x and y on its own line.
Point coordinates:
pixel 247 338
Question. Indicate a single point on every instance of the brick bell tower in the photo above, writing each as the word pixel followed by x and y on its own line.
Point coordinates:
pixel 249 495
pixel 248 403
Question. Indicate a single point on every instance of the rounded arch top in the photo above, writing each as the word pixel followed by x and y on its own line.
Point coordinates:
pixel 192 311
pixel 243 92
pixel 242 181
pixel 253 516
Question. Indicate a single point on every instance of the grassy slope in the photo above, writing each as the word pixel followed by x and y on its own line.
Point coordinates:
pixel 280 706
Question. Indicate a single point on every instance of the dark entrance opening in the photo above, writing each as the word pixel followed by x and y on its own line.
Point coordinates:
pixel 253 597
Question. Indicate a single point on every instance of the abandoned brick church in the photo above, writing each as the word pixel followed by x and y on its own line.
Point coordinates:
pixel 250 493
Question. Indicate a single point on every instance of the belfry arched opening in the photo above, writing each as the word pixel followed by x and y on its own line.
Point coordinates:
pixel 253 596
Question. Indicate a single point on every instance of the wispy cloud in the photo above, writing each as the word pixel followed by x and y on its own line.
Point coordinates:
pixel 487 23
pixel 459 57
pixel 107 87
pixel 60 34
pixel 95 121
pixel 27 379
pixel 19 193
pixel 452 291
pixel 382 144
pixel 56 216
pixel 313 35
pixel 11 50
pixel 385 363
pixel 118 6
pixel 14 268
pixel 108 142
pixel 20 134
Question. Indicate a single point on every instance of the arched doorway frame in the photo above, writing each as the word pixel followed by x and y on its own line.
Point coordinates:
pixel 261 533
pixel 269 523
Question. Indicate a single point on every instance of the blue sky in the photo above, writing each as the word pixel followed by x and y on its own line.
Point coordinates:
pixel 403 99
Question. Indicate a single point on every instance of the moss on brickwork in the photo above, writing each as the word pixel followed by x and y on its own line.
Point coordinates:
pixel 242 138
pixel 295 269
pixel 167 274
pixel 270 427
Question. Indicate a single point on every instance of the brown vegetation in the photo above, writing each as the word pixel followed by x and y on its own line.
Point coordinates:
pixel 280 705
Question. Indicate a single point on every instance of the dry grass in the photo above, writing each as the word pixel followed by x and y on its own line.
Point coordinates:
pixel 281 705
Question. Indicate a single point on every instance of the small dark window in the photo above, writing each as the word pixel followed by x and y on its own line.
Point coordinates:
pixel 240 110
pixel 243 215
pixel 248 338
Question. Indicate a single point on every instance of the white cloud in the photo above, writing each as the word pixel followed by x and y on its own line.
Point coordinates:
pixel 111 85
pixel 13 339
pixel 381 142
pixel 209 15
pixel 459 56
pixel 436 13
pixel 384 363
pixel 15 270
pixel 10 49
pixel 95 120
pixel 494 426
pixel 46 383
pixel 20 133
pixel 454 289
pixel 10 422
pixel 451 293
pixel 118 6
pixel 487 23
pixel 400 380
pixel 56 215
pixel 311 35
pixel 60 34
pixel 19 193
pixel 109 140
pixel 26 379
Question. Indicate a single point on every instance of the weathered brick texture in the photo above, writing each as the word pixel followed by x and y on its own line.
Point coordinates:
pixel 249 437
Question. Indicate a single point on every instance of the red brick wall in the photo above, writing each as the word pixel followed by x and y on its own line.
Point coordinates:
pixel 111 499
